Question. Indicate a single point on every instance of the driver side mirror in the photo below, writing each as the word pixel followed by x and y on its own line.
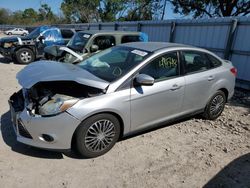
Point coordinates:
pixel 94 48
pixel 144 80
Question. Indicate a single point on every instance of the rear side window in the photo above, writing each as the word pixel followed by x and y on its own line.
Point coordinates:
pixel 195 61
pixel 67 33
pixel 104 42
pixel 129 38
pixel 214 61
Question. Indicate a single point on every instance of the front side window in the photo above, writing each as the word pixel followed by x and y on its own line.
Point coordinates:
pixel 35 33
pixel 113 63
pixel 79 40
pixel 163 67
pixel 195 61
pixel 104 42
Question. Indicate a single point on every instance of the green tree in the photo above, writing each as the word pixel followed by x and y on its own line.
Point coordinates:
pixel 144 10
pixel 4 16
pixel 109 9
pixel 211 8
pixel 30 13
pixel 30 16
pixel 45 13
pixel 80 10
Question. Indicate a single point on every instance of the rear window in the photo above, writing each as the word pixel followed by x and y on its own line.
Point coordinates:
pixel 130 38
pixel 214 61
pixel 67 33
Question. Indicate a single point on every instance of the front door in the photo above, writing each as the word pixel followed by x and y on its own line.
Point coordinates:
pixel 161 101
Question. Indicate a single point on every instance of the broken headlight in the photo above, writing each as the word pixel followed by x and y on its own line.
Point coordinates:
pixel 57 104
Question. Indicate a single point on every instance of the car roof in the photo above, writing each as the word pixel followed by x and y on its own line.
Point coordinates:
pixel 92 32
pixel 154 46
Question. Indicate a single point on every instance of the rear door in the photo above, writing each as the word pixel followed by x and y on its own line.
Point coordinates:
pixel 161 101
pixel 199 78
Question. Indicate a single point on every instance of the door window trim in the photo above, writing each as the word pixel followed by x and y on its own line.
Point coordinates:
pixel 163 54
pixel 183 61
pixel 130 80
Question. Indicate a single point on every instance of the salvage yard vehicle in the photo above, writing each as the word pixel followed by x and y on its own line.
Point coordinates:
pixel 85 43
pixel 17 31
pixel 115 93
pixel 26 49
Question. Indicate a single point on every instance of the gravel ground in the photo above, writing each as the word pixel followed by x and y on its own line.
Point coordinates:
pixel 190 153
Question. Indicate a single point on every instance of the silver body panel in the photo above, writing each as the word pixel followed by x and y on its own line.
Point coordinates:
pixel 137 107
pixel 43 71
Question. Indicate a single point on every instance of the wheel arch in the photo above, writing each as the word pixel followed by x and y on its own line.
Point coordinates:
pixel 25 46
pixel 104 112
pixel 225 91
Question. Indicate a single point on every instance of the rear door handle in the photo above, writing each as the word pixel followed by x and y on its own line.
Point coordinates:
pixel 210 78
pixel 175 87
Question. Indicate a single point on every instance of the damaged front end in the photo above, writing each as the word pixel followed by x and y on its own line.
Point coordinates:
pixel 51 98
pixel 39 113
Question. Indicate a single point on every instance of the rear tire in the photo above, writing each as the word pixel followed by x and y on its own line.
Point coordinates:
pixel 215 106
pixel 97 135
pixel 25 56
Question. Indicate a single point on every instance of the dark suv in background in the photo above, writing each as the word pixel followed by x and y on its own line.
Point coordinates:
pixel 26 49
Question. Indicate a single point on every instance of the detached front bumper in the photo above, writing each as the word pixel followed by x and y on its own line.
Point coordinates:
pixel 54 132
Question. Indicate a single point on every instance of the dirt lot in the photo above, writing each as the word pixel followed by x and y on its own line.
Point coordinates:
pixel 191 153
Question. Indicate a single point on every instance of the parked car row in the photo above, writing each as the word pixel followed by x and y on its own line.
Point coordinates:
pixel 65 45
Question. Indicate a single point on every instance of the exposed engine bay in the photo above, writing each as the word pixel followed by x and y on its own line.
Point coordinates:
pixel 51 98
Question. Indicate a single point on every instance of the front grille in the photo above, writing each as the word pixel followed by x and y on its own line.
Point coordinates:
pixel 23 131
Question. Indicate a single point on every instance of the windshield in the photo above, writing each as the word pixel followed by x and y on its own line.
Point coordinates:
pixel 113 63
pixel 79 40
pixel 35 33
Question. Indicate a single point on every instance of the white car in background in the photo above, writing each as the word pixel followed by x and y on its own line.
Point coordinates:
pixel 17 31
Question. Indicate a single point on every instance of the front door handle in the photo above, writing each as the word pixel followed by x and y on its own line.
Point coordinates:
pixel 175 87
pixel 210 78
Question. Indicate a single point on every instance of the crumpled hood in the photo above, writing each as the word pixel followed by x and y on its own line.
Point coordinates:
pixel 43 71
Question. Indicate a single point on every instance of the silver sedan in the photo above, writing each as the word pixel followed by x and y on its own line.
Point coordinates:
pixel 115 93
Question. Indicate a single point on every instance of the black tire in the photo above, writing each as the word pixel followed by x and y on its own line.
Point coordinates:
pixel 24 34
pixel 25 56
pixel 90 142
pixel 215 106
pixel 9 33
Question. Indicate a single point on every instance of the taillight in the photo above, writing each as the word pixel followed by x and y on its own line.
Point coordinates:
pixel 234 71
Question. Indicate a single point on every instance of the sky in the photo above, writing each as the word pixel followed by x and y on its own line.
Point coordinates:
pixel 35 4
pixel 14 5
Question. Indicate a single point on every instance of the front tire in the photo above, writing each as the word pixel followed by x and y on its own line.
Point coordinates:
pixel 25 56
pixel 9 33
pixel 97 135
pixel 215 106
